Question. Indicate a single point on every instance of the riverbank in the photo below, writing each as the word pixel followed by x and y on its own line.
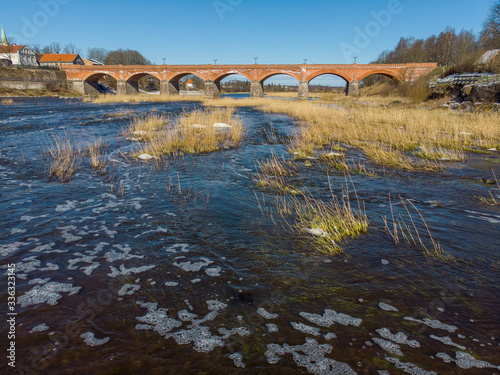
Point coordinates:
pixel 35 82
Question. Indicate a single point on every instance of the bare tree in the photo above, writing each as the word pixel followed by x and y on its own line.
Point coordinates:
pixel 71 48
pixel 490 36
pixel 98 54
pixel 126 57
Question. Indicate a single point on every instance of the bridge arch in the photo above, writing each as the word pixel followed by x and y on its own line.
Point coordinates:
pixel 95 83
pixel 137 76
pixel 177 76
pixel 220 77
pixel 96 76
pixel 384 72
pixel 337 73
pixel 267 75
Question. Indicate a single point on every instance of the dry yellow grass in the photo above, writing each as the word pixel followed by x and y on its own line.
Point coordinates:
pixel 328 223
pixel 404 229
pixel 61 154
pixel 8 101
pixel 143 127
pixel 97 161
pixel 274 173
pixel 193 132
pixel 388 134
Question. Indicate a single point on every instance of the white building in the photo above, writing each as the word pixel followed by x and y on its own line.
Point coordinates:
pixel 18 55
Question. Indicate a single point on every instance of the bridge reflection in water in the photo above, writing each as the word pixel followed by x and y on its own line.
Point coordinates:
pixel 85 78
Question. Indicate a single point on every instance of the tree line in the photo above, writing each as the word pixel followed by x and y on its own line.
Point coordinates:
pixel 450 47
pixel 116 57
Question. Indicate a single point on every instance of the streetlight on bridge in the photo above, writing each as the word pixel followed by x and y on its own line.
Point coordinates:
pixel 256 58
pixel 215 61
pixel 305 61
pixel 164 59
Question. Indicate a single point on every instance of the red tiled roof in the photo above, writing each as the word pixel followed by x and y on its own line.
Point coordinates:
pixel 56 57
pixel 10 49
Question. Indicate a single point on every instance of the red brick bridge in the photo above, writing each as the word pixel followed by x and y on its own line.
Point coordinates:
pixel 85 78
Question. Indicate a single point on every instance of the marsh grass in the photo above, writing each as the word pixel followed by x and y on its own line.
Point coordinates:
pixel 391 133
pixel 390 157
pixel 328 223
pixel 491 201
pixel 274 173
pixel 192 133
pixel 8 101
pixel 62 156
pixel 143 127
pixel 97 161
pixel 351 166
pixel 439 153
pixel 403 228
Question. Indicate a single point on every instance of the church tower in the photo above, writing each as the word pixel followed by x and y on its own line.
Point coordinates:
pixel 4 41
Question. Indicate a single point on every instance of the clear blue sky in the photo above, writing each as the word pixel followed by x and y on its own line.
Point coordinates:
pixel 236 31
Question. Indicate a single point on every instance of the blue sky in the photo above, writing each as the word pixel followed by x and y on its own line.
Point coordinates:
pixel 236 31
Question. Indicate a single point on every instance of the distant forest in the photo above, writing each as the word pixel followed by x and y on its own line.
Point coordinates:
pixel 449 48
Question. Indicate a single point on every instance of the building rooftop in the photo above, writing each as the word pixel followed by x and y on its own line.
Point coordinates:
pixel 59 57
pixel 10 49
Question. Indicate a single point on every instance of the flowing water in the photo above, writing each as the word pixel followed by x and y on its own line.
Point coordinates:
pixel 182 267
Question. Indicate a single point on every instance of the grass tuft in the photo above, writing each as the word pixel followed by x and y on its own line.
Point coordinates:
pixel 191 133
pixel 62 158
pixel 327 222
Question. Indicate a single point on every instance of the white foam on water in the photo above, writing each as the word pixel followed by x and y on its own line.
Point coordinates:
pixel 193 267
pixel 386 307
pixel 171 283
pixel 399 337
pixel 43 248
pixel 68 237
pixel 182 247
pixel 436 324
pixel 304 328
pixel 330 336
pixel 240 331
pixel 83 259
pixel 204 341
pixel 237 359
pixel 313 357
pixel 48 293
pixel 89 339
pixel 17 231
pixel 39 281
pixel 389 346
pixel 186 316
pixel 465 361
pixel 128 271
pixel 31 218
pixel 5 250
pixel 213 272
pixel 128 289
pixel 70 205
pixel 385 262
pixel 194 281
pixel 39 328
pixel 383 372
pixel 112 255
pixel 265 314
pixel 330 317
pixel 447 341
pixel 271 327
pixel 409 368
